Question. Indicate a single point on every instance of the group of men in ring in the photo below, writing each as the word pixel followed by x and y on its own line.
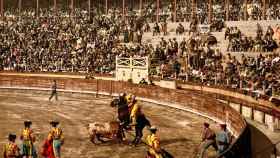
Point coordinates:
pixel 26 149
pixel 52 145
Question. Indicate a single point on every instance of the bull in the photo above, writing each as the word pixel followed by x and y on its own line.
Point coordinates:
pixel 110 130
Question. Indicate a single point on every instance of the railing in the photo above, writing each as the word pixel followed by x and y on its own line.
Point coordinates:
pixel 181 99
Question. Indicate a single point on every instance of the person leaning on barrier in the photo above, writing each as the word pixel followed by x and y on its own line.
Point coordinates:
pixel 222 139
pixel 208 139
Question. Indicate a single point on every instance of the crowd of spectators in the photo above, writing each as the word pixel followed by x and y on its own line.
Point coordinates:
pixel 58 43
pixel 78 43
pixel 237 11
pixel 206 65
pixel 262 42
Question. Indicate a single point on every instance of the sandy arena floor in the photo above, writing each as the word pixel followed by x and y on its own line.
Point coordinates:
pixel 179 131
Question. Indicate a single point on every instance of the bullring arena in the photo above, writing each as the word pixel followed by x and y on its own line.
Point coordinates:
pixel 189 63
pixel 177 113
pixel 179 130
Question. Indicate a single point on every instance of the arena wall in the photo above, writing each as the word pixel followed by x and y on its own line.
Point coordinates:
pixel 187 100
pixel 260 110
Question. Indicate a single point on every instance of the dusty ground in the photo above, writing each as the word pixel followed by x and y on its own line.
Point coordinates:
pixel 179 130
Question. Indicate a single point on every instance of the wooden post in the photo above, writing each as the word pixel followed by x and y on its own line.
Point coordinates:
pixel 252 116
pixel 106 6
pixel 210 11
pixel 193 8
pixel 37 8
pixel 240 108
pixel 131 4
pixel 96 95
pixel 2 8
pixel 157 18
pixel 55 7
pixel 227 10
pixel 71 7
pixel 123 7
pixel 89 8
pixel 140 7
pixel 111 88
pixel 264 10
pixel 19 5
pixel 245 10
pixel 175 12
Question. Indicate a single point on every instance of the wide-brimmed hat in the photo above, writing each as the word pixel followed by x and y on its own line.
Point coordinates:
pixel 153 129
pixel 54 122
pixel 223 125
pixel 206 124
pixel 12 137
pixel 27 123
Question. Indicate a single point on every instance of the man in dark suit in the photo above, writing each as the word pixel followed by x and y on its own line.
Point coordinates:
pixel 54 92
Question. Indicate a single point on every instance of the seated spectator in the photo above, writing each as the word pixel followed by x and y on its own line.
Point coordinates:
pixel 180 29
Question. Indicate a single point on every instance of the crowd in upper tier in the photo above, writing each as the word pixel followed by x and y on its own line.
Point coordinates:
pixel 262 42
pixel 87 44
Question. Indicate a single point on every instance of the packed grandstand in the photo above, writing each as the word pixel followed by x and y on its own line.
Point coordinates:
pixel 88 41
pixel 187 41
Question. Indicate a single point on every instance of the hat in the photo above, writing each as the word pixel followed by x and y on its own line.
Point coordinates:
pixel 129 96
pixel 206 124
pixel 223 125
pixel 27 123
pixel 153 129
pixel 12 137
pixel 122 94
pixel 54 123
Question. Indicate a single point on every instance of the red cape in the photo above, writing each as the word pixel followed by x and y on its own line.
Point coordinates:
pixel 47 149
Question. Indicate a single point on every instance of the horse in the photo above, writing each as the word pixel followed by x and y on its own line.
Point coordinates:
pixel 123 110
pixel 110 130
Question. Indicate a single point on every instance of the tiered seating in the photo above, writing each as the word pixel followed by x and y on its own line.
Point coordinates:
pixel 248 28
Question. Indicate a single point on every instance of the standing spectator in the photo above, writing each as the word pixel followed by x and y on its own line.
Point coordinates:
pixel 222 139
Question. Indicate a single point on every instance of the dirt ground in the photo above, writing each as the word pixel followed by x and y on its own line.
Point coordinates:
pixel 180 132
